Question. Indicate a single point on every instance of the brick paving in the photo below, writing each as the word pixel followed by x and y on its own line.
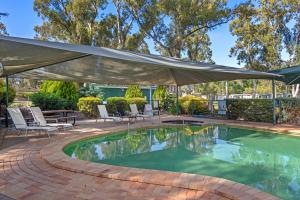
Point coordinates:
pixel 38 169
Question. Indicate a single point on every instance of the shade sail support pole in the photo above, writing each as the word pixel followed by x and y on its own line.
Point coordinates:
pixel 6 101
pixel 274 98
pixel 177 103
pixel 150 97
pixel 226 89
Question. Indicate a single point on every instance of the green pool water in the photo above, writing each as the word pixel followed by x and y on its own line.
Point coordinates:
pixel 267 161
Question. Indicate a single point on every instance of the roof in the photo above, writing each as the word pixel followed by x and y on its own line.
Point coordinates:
pixel 35 59
pixel 290 75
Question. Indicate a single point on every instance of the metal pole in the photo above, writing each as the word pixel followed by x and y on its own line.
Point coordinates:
pixel 273 98
pixel 226 89
pixel 150 93
pixel 177 103
pixel 6 101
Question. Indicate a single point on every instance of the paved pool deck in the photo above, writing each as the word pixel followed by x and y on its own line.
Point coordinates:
pixel 38 169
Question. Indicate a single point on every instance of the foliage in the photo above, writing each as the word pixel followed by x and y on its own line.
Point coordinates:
pixel 140 103
pixel 211 88
pixel 11 93
pixel 89 22
pixel 289 110
pixel 161 94
pixel 47 101
pixel 73 21
pixel 260 110
pixel 64 89
pixel 117 105
pixel 134 91
pixel 193 105
pixel 90 90
pixel 174 30
pixel 259 34
pixel 160 135
pixel 88 106
pixel 2 25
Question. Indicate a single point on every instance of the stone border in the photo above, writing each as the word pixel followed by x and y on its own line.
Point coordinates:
pixel 54 155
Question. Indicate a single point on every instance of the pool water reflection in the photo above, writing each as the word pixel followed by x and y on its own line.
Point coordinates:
pixel 267 161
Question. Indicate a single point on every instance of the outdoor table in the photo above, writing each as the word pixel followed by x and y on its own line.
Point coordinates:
pixel 55 115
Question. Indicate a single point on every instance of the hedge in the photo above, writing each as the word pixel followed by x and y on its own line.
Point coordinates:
pixel 88 106
pixel 193 105
pixel 117 105
pixel 140 103
pixel 259 110
pixel 48 101
pixel 289 110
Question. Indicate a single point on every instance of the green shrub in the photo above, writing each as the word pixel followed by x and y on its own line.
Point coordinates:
pixel 133 91
pixel 161 94
pixel 64 89
pixel 48 101
pixel 140 103
pixel 117 105
pixel 259 110
pixel 88 106
pixel 289 110
pixel 11 93
pixel 193 105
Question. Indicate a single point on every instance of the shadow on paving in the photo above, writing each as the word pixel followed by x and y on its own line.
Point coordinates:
pixel 4 197
pixel 11 138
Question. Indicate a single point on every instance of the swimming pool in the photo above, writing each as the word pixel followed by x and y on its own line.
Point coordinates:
pixel 267 161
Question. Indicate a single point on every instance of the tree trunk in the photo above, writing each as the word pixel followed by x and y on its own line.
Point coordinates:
pixel 295 90
pixel 120 39
pixel 254 89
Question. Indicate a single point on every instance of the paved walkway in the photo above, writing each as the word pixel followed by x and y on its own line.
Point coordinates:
pixel 25 175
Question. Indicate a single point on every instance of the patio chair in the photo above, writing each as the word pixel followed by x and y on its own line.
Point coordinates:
pixel 135 112
pixel 41 121
pixel 21 125
pixel 104 114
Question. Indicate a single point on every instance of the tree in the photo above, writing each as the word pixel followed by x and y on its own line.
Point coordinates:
pixel 84 22
pixel 64 89
pixel 259 26
pixel 2 25
pixel 292 39
pixel 73 21
pixel 133 91
pixel 174 30
pixel 161 94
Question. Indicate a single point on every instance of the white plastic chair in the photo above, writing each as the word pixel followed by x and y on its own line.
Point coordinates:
pixel 135 112
pixel 104 114
pixel 21 125
pixel 41 121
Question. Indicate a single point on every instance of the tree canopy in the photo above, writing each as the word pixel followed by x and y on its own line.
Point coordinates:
pixel 3 30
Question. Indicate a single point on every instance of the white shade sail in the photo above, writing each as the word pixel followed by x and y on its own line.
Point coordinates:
pixel 34 59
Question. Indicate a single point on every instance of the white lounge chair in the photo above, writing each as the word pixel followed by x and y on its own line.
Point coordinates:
pixel 135 112
pixel 21 125
pixel 148 110
pixel 41 121
pixel 104 114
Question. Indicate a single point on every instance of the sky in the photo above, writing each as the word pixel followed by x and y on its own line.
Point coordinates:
pixel 22 19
